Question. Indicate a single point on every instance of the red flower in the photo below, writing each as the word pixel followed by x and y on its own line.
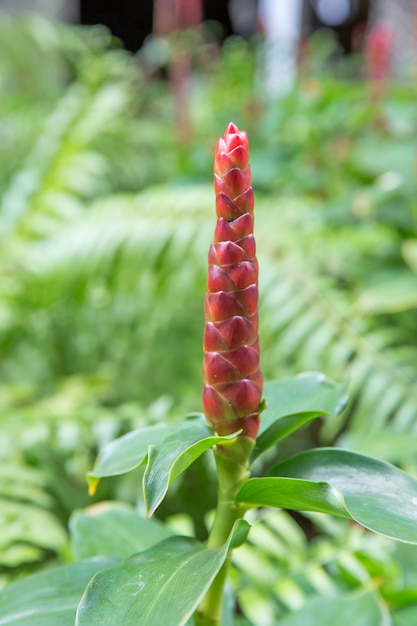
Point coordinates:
pixel 378 52
pixel 232 377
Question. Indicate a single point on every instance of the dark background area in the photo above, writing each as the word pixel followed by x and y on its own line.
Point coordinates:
pixel 131 20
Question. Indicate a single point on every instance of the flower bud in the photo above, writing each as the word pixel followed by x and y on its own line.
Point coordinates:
pixel 232 378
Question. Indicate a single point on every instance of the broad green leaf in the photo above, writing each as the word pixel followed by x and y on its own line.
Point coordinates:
pixel 293 493
pixel 292 402
pixel 177 452
pixel 114 530
pixel 162 585
pixel 228 615
pixel 359 609
pixel 50 597
pixel 125 453
pixel 377 495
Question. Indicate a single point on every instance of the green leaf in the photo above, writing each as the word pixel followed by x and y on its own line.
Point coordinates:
pixel 114 530
pixel 168 460
pixel 292 402
pixel 162 585
pixel 359 608
pixel 50 597
pixel 125 453
pixel 377 495
pixel 293 493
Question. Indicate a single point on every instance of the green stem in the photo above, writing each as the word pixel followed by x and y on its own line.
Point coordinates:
pixel 233 471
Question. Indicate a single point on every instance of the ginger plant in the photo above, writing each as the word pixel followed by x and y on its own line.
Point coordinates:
pixel 233 382
pixel 158 577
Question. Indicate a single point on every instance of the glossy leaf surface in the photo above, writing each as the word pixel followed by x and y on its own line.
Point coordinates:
pixel 292 402
pixel 162 585
pixel 295 494
pixel 377 495
pixel 113 530
pixel 168 460
pixel 125 453
pixel 50 597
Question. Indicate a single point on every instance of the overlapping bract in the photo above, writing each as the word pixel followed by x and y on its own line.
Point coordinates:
pixel 232 378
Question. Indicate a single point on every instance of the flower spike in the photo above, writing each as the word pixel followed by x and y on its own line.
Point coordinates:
pixel 232 378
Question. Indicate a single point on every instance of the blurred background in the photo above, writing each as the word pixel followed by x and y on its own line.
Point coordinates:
pixel 108 119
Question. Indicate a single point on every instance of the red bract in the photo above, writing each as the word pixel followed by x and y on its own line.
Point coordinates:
pixel 378 52
pixel 232 377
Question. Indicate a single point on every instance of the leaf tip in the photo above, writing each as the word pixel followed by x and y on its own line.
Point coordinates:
pixel 239 533
pixel 93 482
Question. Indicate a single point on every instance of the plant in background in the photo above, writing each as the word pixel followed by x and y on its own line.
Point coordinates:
pixel 133 570
pixel 379 50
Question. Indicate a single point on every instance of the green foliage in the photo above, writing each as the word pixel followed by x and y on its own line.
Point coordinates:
pixel 30 528
pixel 104 224
pixel 164 583
pixel 284 567
pixel 362 608
pixel 113 530
pixel 29 604
pixel 342 483
pixel 290 405
pixel 170 576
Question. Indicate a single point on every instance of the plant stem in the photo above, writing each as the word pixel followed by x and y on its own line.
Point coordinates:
pixel 233 471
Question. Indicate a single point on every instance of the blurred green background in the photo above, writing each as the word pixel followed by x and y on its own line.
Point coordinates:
pixel 106 215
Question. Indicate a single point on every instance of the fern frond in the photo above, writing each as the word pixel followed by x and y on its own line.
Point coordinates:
pixel 62 170
pixel 112 295
pixel 312 333
pixel 29 529
pixel 278 571
pixel 115 295
pixel 309 321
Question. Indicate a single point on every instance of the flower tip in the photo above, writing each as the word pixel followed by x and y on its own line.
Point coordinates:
pixel 231 129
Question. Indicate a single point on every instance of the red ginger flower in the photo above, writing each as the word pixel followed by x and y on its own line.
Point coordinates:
pixel 232 378
pixel 378 52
